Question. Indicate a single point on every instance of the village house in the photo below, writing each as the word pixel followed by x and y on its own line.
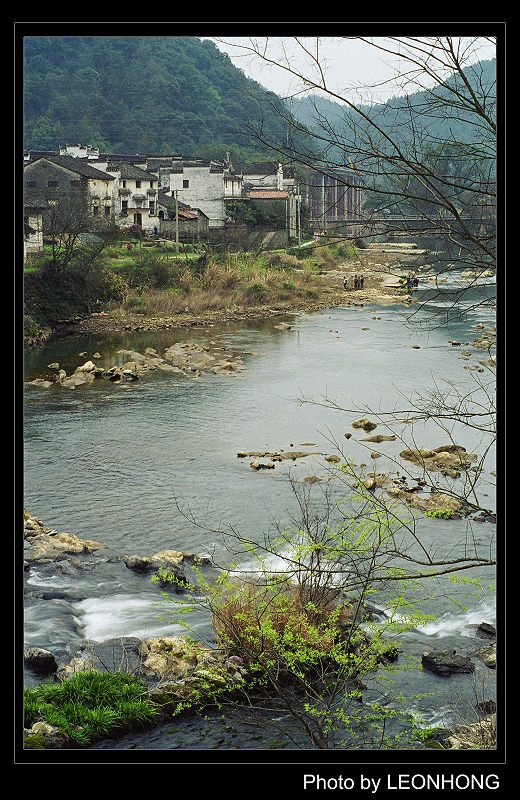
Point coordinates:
pixel 198 184
pixel 269 182
pixel 135 192
pixel 59 179
pixel 142 190
pixel 177 218
pixel 80 151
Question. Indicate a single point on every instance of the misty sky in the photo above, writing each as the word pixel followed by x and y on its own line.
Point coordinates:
pixel 352 68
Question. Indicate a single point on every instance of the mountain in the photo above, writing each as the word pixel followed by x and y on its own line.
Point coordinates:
pixel 426 117
pixel 149 94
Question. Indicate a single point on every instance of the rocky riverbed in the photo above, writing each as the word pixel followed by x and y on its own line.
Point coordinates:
pixel 83 574
pixel 175 667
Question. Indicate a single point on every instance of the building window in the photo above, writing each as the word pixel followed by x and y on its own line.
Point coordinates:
pixel 124 206
pixel 95 209
pixel 107 211
pixel 53 184
pixel 152 207
pixel 138 184
pixel 185 184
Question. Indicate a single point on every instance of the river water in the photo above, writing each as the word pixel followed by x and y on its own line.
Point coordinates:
pixel 131 465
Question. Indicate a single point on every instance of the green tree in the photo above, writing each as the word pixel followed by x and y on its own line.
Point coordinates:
pixel 298 611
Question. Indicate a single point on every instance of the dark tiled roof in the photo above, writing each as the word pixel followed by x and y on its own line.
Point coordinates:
pixel 263 168
pixel 129 171
pixel 256 168
pixel 160 161
pixel 129 159
pixel 77 165
pixel 167 200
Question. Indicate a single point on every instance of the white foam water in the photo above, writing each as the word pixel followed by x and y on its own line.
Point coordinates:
pixel 463 622
pixel 120 615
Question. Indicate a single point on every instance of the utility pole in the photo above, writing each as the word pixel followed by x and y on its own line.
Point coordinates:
pixel 176 221
pixel 298 211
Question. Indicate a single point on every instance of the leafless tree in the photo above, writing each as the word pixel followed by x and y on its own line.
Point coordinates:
pixel 426 159
pixel 69 224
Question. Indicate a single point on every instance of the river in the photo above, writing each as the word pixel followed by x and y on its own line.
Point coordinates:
pixel 128 465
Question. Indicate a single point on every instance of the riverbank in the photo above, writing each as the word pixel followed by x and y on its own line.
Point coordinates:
pixel 381 271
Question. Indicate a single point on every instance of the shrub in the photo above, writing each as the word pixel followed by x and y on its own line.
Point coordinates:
pixel 262 622
pixel 256 292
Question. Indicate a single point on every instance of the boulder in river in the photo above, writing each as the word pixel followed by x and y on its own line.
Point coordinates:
pixel 168 569
pixel 169 657
pixel 281 455
pixel 486 631
pixel 448 459
pixel 477 736
pixel 39 660
pixel 365 424
pixel 47 543
pixel 376 480
pixel 453 507
pixel 447 662
pixel 488 655
pixel 44 736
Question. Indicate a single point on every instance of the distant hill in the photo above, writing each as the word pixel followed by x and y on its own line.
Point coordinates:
pixel 403 116
pixel 160 95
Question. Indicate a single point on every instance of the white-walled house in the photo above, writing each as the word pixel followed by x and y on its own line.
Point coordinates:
pixel 135 193
pixel 200 185
pixel 265 175
pixel 80 151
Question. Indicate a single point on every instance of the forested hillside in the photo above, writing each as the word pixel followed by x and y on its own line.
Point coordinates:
pixel 157 95
pixel 409 119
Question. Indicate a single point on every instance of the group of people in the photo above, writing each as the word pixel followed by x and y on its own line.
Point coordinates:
pixel 359 282
pixel 411 282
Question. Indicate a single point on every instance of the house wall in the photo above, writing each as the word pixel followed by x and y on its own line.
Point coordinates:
pixel 205 190
pixel 53 182
pixel 33 242
pixel 189 229
pixel 101 194
pixel 137 199
pixel 57 184
pixel 232 186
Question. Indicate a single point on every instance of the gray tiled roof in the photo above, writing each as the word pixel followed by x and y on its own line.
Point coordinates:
pixel 130 171
pixel 77 165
